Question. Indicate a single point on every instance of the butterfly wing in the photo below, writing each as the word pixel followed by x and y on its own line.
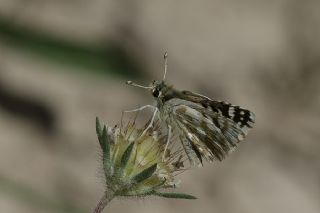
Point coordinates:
pixel 243 117
pixel 207 129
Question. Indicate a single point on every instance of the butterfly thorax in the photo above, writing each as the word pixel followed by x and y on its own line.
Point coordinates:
pixel 163 92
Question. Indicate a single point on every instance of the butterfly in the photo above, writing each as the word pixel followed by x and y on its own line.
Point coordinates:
pixel 207 129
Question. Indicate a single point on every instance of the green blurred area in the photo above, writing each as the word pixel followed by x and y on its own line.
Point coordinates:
pixel 104 59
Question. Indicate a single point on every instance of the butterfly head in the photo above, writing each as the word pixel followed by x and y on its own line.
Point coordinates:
pixel 158 88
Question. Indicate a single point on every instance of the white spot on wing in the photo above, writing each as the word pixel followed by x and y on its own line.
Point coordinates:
pixel 231 111
pixel 252 116
pixel 240 137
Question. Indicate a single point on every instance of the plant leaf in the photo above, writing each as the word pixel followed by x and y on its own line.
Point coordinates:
pixel 107 164
pixel 126 156
pixel 98 129
pixel 148 172
pixel 174 195
pixel 104 144
pixel 102 137
pixel 104 140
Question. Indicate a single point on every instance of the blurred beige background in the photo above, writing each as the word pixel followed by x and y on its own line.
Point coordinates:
pixel 64 62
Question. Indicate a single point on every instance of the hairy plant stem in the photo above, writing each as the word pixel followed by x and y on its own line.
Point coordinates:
pixel 104 201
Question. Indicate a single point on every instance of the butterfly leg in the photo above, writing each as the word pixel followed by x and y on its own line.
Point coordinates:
pixel 168 141
pixel 144 107
pixel 151 121
pixel 140 108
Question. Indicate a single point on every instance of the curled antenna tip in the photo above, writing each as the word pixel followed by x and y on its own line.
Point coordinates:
pixel 165 55
pixel 129 82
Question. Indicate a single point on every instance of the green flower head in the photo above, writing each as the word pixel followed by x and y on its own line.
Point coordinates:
pixel 133 162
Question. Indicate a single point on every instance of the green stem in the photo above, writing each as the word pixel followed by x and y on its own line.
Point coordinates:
pixel 104 201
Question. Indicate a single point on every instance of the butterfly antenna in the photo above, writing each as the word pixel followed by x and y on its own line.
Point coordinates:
pixel 165 56
pixel 137 85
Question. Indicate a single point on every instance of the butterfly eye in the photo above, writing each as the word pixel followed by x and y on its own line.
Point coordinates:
pixel 155 93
